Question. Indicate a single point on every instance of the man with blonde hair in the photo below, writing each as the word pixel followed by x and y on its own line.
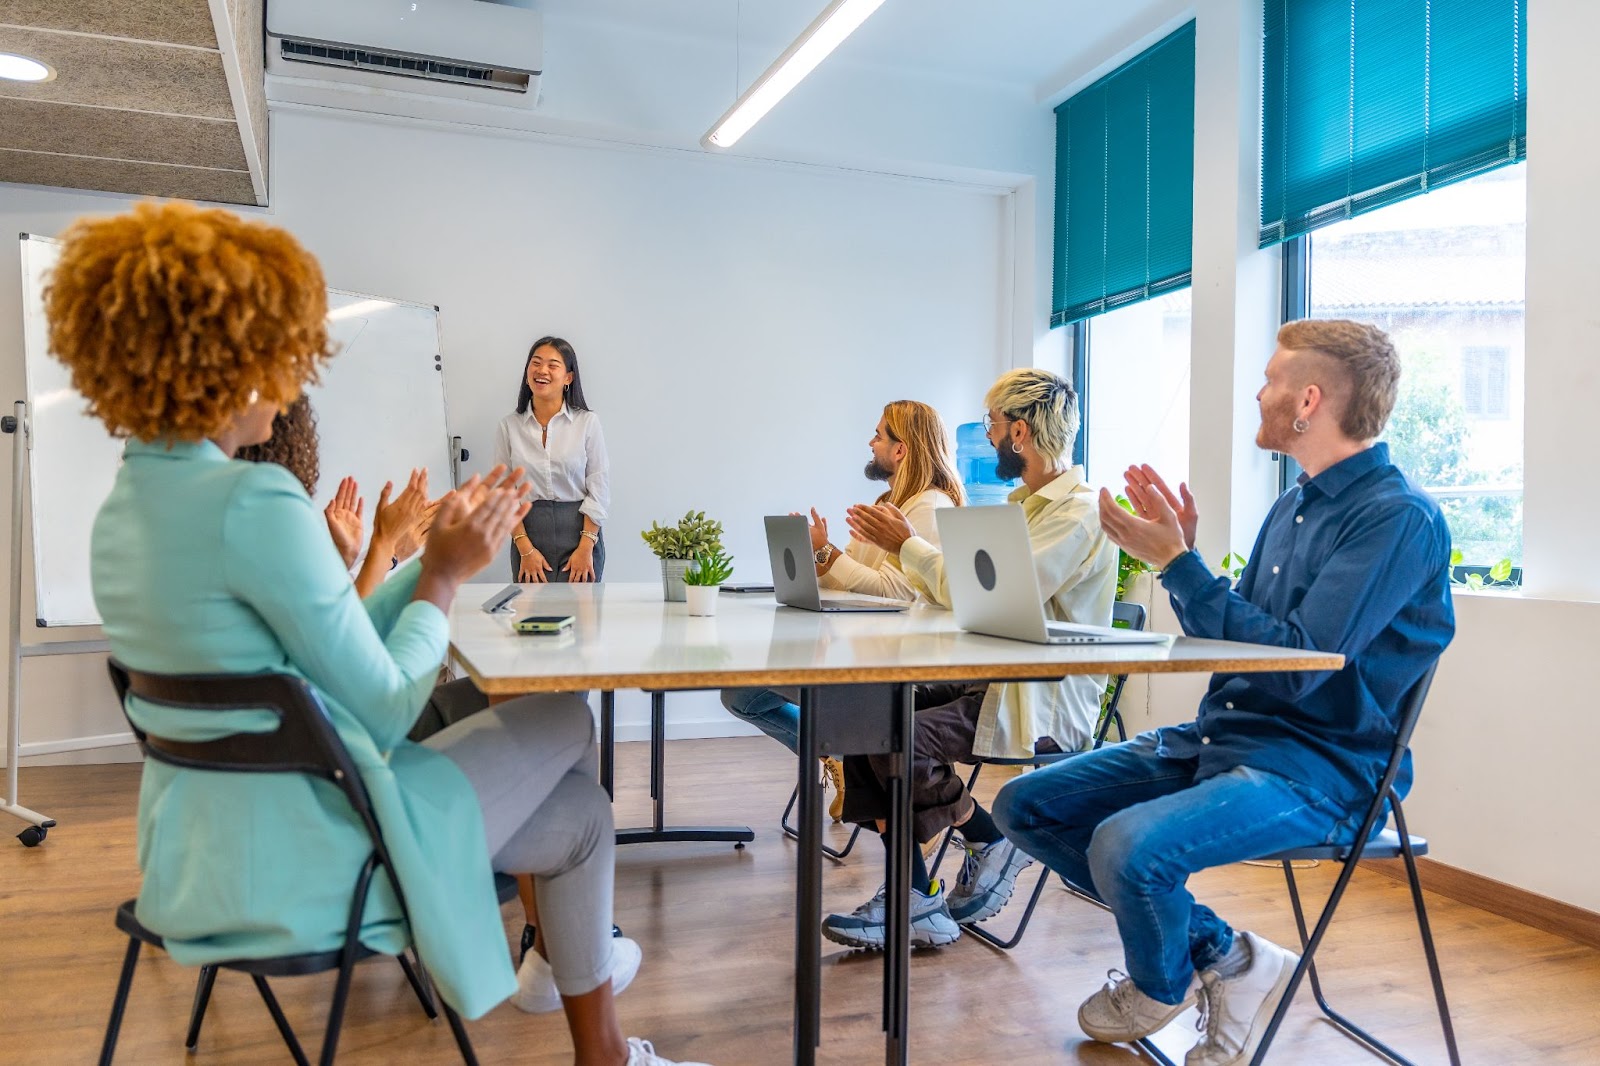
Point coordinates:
pixel 1354 560
pixel 1032 421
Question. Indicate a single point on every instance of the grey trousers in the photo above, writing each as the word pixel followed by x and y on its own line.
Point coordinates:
pixel 531 762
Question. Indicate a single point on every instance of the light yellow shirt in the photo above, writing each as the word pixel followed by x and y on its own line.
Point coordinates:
pixel 868 569
pixel 1077 568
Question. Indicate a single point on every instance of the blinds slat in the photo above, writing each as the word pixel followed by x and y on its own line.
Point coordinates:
pixel 1125 183
pixel 1368 102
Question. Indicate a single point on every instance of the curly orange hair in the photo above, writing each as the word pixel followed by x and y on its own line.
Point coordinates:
pixel 171 316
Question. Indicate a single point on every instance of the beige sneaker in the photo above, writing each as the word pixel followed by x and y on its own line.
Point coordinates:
pixel 1234 1011
pixel 1120 1014
pixel 833 771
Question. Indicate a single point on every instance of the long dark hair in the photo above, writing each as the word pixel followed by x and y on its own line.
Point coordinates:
pixel 574 393
pixel 293 444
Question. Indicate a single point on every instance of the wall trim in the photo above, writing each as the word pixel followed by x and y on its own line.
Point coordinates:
pixel 1497 897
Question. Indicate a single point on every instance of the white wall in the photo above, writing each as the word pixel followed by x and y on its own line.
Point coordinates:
pixel 740 325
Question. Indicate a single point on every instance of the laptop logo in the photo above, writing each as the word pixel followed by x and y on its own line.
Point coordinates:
pixel 788 563
pixel 983 566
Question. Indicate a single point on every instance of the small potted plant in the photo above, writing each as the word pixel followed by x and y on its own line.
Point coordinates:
pixel 702 580
pixel 678 545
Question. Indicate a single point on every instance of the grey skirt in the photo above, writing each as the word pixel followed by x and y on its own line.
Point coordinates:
pixel 556 527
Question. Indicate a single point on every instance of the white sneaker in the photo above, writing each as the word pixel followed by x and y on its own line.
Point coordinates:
pixel 536 983
pixel 1234 1011
pixel 1120 1014
pixel 640 1053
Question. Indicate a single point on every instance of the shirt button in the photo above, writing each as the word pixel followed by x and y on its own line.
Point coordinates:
pixel 1205 740
pixel 1229 706
pixel 1299 518
pixel 1274 569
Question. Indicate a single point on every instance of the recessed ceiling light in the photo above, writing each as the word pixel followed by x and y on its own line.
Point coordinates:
pixel 21 68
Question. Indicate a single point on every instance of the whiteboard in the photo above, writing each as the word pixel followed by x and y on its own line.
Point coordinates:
pixel 380 412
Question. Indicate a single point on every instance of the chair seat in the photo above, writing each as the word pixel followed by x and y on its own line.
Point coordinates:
pixel 276 966
pixel 1386 845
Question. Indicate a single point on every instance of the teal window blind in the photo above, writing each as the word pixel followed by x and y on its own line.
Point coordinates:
pixel 1125 183
pixel 1369 102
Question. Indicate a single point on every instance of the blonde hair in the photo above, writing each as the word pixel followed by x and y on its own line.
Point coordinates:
pixel 171 317
pixel 1044 402
pixel 1368 367
pixel 927 464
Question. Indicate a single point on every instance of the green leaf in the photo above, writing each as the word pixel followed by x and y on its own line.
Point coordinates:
pixel 1475 582
pixel 1501 571
pixel 1455 557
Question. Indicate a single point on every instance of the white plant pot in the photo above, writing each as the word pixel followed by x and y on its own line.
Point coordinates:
pixel 672 571
pixel 702 599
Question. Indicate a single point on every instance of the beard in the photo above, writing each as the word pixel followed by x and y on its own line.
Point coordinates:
pixel 1008 465
pixel 876 471
pixel 1277 427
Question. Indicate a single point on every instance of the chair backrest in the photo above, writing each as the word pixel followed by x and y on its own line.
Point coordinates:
pixel 1124 615
pixel 1410 713
pixel 305 741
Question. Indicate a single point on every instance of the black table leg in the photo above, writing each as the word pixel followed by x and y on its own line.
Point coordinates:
pixel 808 902
pixel 897 947
pixel 658 830
pixel 608 741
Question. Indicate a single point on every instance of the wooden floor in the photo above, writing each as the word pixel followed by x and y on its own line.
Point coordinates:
pixel 717 931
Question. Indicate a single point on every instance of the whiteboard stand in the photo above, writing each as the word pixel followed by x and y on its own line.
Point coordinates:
pixel 40 824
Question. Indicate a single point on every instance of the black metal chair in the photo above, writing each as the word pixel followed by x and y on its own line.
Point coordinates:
pixel 1123 616
pixel 304 743
pixel 793 833
pixel 1394 843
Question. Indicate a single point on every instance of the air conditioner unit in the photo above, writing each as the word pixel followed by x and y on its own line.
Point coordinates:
pixel 467 49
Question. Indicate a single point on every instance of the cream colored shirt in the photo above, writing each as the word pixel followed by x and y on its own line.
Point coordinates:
pixel 1077 567
pixel 868 569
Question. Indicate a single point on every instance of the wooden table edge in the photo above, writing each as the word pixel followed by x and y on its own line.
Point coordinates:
pixel 848 675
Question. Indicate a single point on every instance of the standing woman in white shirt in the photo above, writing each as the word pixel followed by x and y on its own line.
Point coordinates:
pixel 556 438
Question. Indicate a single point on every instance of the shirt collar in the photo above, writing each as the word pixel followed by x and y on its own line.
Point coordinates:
pixel 565 412
pixel 201 450
pixel 1060 488
pixel 1342 475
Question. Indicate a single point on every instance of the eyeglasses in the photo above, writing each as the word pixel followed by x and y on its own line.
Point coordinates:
pixel 989 422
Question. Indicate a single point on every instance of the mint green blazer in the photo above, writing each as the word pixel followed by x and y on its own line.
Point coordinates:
pixel 202 564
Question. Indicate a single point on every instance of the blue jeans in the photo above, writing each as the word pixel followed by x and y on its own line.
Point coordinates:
pixel 769 711
pixel 1129 826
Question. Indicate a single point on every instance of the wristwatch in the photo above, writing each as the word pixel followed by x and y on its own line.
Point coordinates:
pixel 823 554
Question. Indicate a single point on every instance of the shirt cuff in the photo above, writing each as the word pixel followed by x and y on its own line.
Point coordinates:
pixel 1186 575
pixel 594 510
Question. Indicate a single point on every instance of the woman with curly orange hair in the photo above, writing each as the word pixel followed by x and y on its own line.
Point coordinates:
pixel 187 331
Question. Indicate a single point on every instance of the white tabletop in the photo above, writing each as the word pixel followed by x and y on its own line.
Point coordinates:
pixel 627 637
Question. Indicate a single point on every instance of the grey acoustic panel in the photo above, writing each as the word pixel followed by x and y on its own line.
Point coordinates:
pixel 174 21
pixel 135 179
pixel 72 129
pixel 112 73
pixel 249 37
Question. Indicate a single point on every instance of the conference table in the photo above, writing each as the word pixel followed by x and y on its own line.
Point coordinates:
pixel 855 673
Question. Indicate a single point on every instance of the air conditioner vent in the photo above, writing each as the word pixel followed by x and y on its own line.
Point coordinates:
pixel 404 65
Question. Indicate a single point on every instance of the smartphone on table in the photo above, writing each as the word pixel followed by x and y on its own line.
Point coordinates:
pixel 543 624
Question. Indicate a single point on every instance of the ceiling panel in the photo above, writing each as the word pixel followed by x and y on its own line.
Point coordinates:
pixel 112 73
pixel 39 126
pixel 136 179
pixel 175 21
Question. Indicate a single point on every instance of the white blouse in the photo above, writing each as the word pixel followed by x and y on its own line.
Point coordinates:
pixel 573 466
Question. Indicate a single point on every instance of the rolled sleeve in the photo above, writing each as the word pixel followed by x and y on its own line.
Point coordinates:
pixel 596 474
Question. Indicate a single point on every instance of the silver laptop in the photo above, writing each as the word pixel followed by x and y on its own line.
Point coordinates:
pixel 794 575
pixel 993 587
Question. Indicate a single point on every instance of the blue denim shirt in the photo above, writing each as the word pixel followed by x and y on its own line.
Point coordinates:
pixel 1353 561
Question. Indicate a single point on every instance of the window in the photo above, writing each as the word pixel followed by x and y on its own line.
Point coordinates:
pixel 1444 275
pixel 1139 364
pixel 1484 382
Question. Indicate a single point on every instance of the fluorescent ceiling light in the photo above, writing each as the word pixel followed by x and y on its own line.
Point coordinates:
pixel 20 68
pixel 837 21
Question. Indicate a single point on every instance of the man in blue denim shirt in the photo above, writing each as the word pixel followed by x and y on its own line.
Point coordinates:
pixel 1354 561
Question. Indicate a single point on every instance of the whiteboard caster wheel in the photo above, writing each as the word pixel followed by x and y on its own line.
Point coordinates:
pixel 33 836
pixel 738 845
